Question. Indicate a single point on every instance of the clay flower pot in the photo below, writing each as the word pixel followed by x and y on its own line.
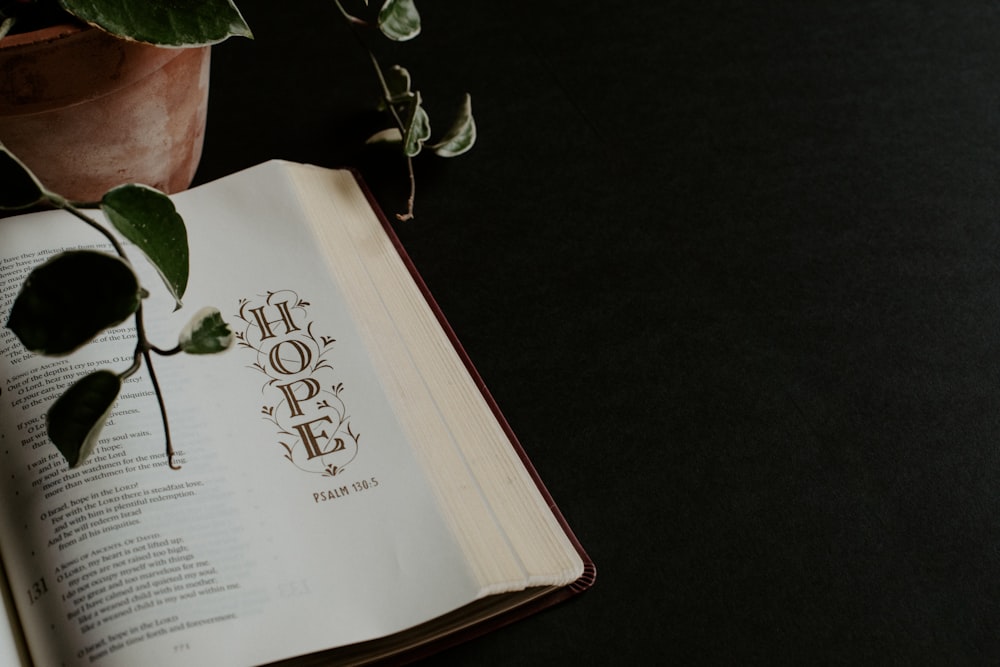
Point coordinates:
pixel 87 111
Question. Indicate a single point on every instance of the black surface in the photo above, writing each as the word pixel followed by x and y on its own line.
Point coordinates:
pixel 731 271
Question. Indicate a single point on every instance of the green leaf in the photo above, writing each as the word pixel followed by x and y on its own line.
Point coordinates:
pixel 462 135
pixel 163 22
pixel 18 186
pixel 68 300
pixel 407 106
pixel 390 135
pixel 417 129
pixel 148 218
pixel 399 20
pixel 75 420
pixel 397 81
pixel 206 333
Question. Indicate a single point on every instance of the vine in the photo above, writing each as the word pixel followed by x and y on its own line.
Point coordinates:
pixel 76 295
pixel 399 20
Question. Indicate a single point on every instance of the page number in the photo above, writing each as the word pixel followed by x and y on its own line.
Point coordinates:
pixel 37 590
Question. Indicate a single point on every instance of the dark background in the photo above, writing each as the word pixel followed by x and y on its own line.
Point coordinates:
pixel 732 272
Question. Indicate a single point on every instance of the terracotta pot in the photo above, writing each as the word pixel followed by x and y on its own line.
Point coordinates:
pixel 86 111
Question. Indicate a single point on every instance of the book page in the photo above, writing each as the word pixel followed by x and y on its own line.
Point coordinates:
pixel 300 519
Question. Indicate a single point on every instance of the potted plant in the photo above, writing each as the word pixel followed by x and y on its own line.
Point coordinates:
pixel 96 93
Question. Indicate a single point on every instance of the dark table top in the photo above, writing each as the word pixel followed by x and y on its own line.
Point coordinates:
pixel 732 271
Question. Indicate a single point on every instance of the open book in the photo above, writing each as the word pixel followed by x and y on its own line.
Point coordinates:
pixel 348 491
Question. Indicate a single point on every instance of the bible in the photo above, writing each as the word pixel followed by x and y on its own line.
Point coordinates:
pixel 348 491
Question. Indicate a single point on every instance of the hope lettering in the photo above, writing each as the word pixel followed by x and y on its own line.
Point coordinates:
pixel 289 356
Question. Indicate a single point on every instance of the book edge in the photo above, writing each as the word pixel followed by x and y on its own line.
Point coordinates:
pixel 589 576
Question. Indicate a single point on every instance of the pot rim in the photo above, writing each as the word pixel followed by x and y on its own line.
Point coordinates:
pixel 43 35
pixel 68 64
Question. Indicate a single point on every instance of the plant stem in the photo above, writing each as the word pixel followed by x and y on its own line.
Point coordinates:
pixel 166 353
pixel 136 363
pixel 351 18
pixel 387 94
pixel 403 217
pixel 143 348
pixel 353 22
pixel 163 410
pixel 59 202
